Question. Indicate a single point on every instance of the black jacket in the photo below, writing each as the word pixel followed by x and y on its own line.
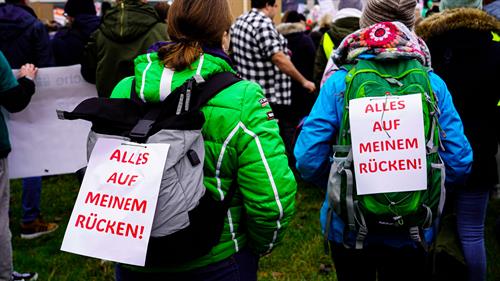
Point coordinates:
pixel 302 51
pixel 465 55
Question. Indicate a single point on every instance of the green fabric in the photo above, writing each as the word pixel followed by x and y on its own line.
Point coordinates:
pixel 127 31
pixel 339 30
pixel 238 118
pixel 369 79
pixel 328 45
pixel 7 82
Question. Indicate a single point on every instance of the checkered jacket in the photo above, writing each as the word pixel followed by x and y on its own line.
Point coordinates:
pixel 254 40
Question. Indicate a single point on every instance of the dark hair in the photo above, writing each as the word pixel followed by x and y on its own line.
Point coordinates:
pixel 161 9
pixel 13 1
pixel 293 16
pixel 259 4
pixel 192 24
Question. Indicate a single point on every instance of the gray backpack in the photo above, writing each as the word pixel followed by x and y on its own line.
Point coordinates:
pixel 188 221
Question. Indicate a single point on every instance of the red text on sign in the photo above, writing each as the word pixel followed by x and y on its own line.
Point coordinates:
pixel 116 202
pixel 388 125
pixel 119 228
pixel 388 145
pixel 374 166
pixel 129 157
pixel 122 179
pixel 385 106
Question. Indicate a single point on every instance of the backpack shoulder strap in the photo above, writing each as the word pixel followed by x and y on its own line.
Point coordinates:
pixel 214 85
pixel 205 91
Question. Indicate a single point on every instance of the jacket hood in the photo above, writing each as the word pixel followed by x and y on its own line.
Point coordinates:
pixel 15 19
pixel 343 27
pixel 129 20
pixel 86 23
pixel 461 18
pixel 154 82
pixel 289 28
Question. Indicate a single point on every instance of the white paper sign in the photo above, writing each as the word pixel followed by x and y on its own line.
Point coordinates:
pixel 388 144
pixel 41 143
pixel 113 214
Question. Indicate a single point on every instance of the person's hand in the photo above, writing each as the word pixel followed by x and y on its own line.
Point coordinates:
pixel 29 71
pixel 309 86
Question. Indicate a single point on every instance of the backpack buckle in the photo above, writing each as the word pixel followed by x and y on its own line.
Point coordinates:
pixel 141 129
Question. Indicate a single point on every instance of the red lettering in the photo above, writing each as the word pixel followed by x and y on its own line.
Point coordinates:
pixel 119 228
pixel 130 159
pixel 365 148
pixel 112 178
pixel 386 125
pixel 92 199
pixel 362 168
pixel 104 200
pixel 132 230
pixel 116 155
pixel 99 228
pixel 109 227
pixel 369 108
pixel 132 179
pixel 139 206
pixel 127 204
pixel 79 220
pixel 138 161
pixel 380 166
pixel 413 143
pixel 401 104
pixel 145 156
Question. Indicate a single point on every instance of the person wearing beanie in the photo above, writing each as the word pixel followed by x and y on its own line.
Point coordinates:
pixel 69 42
pixel 345 22
pixel 375 61
pixel 465 47
pixel 389 10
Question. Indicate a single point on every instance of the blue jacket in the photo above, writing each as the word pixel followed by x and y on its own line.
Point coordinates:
pixel 68 43
pixel 493 9
pixel 24 37
pixel 313 148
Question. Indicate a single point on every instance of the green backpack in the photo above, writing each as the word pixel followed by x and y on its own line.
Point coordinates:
pixel 392 212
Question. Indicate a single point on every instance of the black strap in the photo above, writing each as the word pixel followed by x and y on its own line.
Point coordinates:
pixel 204 92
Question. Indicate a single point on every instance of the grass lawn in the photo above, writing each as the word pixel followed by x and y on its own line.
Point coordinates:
pixel 300 257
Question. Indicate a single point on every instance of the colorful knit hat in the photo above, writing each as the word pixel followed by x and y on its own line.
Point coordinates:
pixel 450 4
pixel 376 11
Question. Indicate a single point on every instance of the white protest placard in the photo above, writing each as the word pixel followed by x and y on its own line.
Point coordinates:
pixel 388 144
pixel 41 143
pixel 113 214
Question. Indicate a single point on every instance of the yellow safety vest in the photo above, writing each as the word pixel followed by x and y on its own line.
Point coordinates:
pixel 328 45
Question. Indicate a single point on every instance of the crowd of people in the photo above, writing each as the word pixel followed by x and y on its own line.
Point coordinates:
pixel 286 120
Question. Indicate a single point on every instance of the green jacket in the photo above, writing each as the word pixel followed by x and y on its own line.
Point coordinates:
pixel 126 31
pixel 339 30
pixel 242 145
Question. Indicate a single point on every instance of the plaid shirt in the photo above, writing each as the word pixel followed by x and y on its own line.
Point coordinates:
pixel 254 40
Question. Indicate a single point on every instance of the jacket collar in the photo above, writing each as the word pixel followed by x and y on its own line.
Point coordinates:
pixel 461 18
